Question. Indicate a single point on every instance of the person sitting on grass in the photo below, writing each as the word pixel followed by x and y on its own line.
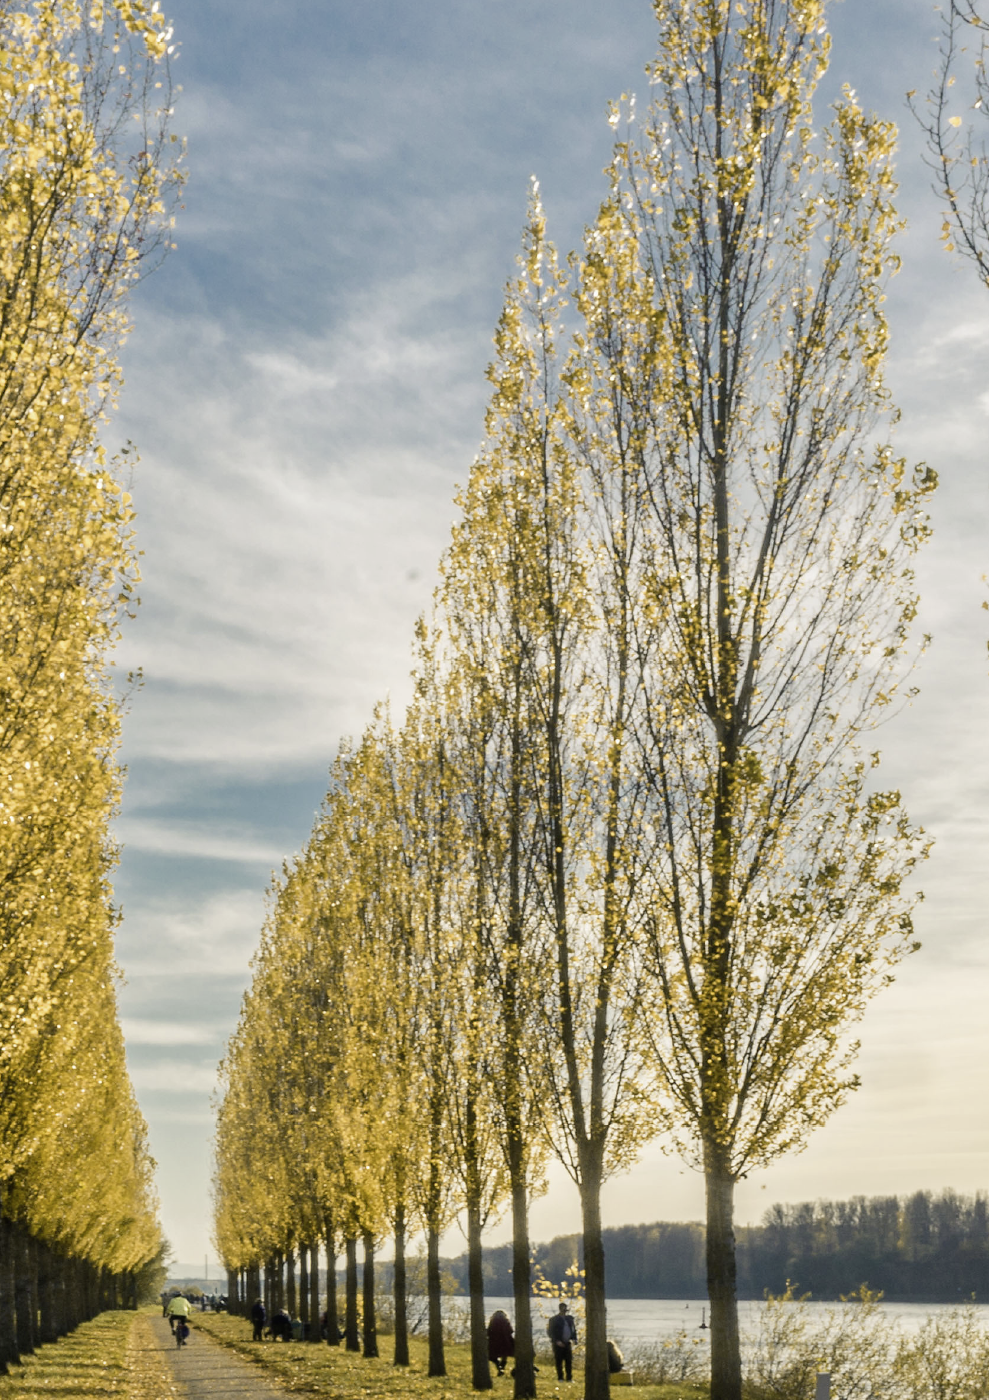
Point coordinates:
pixel 281 1326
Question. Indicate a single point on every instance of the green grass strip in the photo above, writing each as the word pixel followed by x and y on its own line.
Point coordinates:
pixel 310 1369
pixel 92 1361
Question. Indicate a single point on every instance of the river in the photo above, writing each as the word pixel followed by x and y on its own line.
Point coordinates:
pixel 654 1319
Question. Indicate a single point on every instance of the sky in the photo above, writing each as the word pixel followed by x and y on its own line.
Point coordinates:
pixel 305 385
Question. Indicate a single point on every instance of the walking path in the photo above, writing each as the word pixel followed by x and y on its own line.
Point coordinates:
pixel 203 1369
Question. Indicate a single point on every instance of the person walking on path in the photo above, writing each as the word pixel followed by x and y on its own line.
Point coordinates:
pixel 501 1340
pixel 562 1332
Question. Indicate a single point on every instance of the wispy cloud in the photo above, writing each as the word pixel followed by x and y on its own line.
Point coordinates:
pixel 146 1032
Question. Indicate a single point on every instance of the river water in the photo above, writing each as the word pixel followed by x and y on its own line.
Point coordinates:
pixel 654 1319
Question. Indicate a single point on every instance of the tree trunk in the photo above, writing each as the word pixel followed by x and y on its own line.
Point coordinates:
pixel 370 1325
pixel 525 1369
pixel 399 1286
pixel 332 1316
pixel 269 1286
pixel 304 1289
pixel 77 1284
pixel 479 1365
pixel 233 1293
pixel 8 1318
pixel 434 1297
pixel 314 1293
pixel 46 1296
pixel 597 1385
pixel 726 1359
pixel 291 1299
pixel 352 1341
pixel 22 1247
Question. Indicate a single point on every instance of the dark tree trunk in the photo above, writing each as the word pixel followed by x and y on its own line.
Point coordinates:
pixel 434 1295
pixel 8 1317
pixel 314 1293
pixel 525 1366
pixel 351 1339
pixel 726 1358
pixel 479 1365
pixel 304 1289
pixel 77 1285
pixel 291 1298
pixel 370 1322
pixel 279 1280
pixel 32 1283
pixel 401 1300
pixel 22 1248
pixel 332 1315
pixel 46 1296
pixel 597 1385
pixel 233 1293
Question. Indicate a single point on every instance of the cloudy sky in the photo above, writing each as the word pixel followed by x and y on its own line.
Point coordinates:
pixel 305 383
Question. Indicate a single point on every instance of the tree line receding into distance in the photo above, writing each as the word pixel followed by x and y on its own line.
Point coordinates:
pixel 624 869
pixel 84 196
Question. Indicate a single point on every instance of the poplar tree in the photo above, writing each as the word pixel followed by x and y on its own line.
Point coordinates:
pixel 543 584
pixel 84 196
pixel 781 592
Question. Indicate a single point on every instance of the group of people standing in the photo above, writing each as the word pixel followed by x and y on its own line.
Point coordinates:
pixel 562 1332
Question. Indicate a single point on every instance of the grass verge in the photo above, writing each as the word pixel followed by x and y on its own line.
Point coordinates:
pixel 92 1362
pixel 311 1369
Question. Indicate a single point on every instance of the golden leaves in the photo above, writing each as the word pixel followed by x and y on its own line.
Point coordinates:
pixel 68 568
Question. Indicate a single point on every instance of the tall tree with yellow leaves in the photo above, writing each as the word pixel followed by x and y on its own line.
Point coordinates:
pixel 84 212
pixel 780 591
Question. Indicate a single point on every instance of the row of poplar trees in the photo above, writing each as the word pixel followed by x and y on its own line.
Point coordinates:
pixel 83 194
pixel 624 870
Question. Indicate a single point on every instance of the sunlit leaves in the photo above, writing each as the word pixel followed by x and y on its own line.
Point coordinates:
pixel 78 220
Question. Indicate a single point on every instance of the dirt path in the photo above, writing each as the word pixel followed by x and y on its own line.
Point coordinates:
pixel 203 1369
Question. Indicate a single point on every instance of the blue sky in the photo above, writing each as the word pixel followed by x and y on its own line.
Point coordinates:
pixel 305 383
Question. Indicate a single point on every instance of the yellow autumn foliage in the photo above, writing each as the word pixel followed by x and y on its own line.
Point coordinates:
pixel 86 184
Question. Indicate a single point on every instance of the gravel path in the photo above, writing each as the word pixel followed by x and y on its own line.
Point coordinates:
pixel 204 1369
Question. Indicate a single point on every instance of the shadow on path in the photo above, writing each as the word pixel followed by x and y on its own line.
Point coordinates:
pixel 203 1369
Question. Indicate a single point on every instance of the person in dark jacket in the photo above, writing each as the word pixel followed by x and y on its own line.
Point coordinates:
pixel 281 1325
pixel 501 1340
pixel 562 1332
pixel 259 1316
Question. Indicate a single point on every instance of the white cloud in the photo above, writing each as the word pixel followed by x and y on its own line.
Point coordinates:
pixel 194 938
pixel 138 1031
pixel 193 840
pixel 174 1077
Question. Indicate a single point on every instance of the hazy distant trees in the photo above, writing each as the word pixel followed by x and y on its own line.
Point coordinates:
pixel 925 1247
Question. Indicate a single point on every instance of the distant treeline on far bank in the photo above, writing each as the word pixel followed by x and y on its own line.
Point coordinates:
pixel 920 1248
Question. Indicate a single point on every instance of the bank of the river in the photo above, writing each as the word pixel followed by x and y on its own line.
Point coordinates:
pixel 323 1370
